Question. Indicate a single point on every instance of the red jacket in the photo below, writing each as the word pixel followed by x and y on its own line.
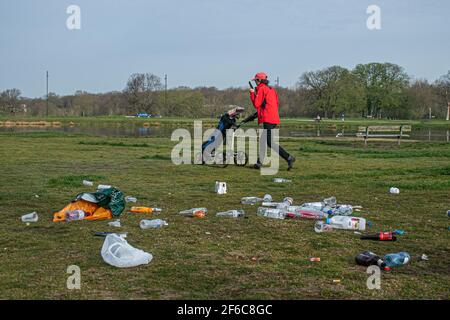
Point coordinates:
pixel 268 112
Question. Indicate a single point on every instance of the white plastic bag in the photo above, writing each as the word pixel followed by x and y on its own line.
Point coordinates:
pixel 117 252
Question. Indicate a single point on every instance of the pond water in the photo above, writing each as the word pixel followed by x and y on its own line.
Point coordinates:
pixel 136 130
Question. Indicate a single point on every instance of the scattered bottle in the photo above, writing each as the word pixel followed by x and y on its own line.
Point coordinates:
pixel 281 180
pixel 347 223
pixel 313 205
pixel 294 212
pixel 321 226
pixel 30 217
pixel 314 259
pixel 195 212
pixel 368 258
pixel 231 213
pixel 268 198
pixel 115 224
pixel 88 183
pixel 130 199
pixel 448 213
pixel 381 236
pixel 144 210
pixel 343 210
pixel 271 213
pixel 152 224
pixel 399 232
pixel 251 200
pixel 287 201
pixel 397 259
pixel 74 215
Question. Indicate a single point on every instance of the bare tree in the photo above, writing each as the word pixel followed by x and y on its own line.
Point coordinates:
pixel 141 92
pixel 10 100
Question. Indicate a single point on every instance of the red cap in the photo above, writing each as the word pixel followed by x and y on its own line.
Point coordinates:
pixel 260 76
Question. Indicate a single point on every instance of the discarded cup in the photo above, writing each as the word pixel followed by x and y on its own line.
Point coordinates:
pixel 115 224
pixel 152 224
pixel 130 199
pixel 231 213
pixel 30 217
pixel 88 183
pixel 221 187
pixel 394 190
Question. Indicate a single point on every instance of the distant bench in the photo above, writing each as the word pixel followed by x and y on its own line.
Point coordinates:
pixel 397 131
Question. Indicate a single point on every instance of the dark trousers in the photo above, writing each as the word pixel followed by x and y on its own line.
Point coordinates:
pixel 283 153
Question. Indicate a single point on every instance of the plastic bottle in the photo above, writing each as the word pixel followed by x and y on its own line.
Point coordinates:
pixel 75 215
pixel 152 224
pixel 144 210
pixel 88 183
pixel 287 201
pixel 368 258
pixel 271 213
pixel 343 210
pixel 294 212
pixel 30 217
pixel 321 226
pixel 347 223
pixel 381 236
pixel 313 205
pixel 251 200
pixel 268 198
pixel 194 212
pixel 397 259
pixel 231 213
pixel 281 180
pixel 130 199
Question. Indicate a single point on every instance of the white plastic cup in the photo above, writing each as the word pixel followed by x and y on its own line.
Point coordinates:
pixel 394 190
pixel 88 183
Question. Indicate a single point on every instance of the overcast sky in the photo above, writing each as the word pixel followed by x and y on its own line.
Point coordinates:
pixel 218 43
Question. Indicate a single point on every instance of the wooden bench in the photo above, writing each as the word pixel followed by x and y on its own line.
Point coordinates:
pixel 397 131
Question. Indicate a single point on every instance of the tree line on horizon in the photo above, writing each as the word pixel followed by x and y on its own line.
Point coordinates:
pixel 375 90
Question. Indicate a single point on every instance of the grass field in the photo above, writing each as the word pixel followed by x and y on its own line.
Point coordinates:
pixel 214 258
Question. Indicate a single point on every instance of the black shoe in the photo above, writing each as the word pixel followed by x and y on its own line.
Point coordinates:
pixel 290 162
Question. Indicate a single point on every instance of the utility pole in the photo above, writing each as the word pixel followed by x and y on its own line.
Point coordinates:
pixel 47 95
pixel 165 92
pixel 448 106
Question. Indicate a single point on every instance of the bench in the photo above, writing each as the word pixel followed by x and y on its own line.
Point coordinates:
pixel 397 131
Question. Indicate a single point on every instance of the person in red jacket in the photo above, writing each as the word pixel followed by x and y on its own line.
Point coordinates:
pixel 265 101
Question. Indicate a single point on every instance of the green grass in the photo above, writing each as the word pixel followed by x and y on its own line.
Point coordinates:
pixel 213 258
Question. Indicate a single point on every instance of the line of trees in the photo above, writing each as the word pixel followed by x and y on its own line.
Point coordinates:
pixel 377 90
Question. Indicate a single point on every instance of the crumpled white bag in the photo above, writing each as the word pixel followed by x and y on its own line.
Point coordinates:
pixel 117 252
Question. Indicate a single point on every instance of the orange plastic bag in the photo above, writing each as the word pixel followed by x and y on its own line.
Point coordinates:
pixel 91 210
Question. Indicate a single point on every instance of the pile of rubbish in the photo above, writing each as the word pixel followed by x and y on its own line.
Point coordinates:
pixel 108 203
